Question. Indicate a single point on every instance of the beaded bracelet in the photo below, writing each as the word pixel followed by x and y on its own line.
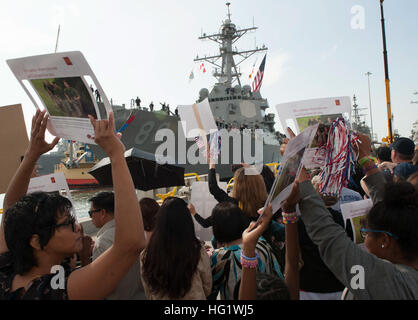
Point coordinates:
pixel 290 217
pixel 249 262
pixel 290 220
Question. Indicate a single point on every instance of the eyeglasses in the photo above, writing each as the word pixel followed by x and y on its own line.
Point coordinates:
pixel 93 211
pixel 363 233
pixel 71 221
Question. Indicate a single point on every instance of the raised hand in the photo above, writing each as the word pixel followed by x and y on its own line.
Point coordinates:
pixel 211 161
pixel 286 140
pixel 255 230
pixel 289 205
pixel 106 137
pixel 37 145
pixel 365 146
pixel 283 146
pixel 387 165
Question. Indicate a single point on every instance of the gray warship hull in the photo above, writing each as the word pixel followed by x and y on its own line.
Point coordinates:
pixel 141 134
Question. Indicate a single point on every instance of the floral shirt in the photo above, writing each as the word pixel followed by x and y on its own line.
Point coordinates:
pixel 37 289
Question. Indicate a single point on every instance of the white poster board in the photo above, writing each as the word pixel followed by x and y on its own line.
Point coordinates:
pixel 355 212
pixel 197 119
pixel 299 115
pixel 57 82
pixel 204 202
pixel 51 183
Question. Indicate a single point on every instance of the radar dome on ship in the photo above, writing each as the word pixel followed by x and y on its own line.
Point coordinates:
pixel 203 93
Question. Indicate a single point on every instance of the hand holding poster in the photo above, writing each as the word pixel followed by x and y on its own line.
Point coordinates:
pixel 290 167
pixel 56 82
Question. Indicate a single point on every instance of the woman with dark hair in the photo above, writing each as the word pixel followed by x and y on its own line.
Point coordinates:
pixel 39 230
pixel 229 222
pixel 149 210
pixel 390 269
pixel 175 264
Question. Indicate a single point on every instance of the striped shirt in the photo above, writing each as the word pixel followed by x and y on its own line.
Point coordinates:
pixel 226 267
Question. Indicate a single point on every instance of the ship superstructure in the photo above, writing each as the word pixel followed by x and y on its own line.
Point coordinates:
pixel 233 106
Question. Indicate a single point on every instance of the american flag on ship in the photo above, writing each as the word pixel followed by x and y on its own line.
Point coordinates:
pixel 258 79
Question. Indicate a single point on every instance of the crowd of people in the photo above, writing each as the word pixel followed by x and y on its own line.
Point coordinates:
pixel 144 250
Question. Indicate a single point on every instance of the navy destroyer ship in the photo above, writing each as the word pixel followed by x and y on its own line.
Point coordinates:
pixel 233 105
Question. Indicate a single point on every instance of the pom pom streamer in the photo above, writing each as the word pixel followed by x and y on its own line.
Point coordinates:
pixel 340 157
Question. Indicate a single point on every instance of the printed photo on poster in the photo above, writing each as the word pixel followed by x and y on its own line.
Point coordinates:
pixel 357 223
pixel 65 97
pixel 327 119
pixel 290 167
pixel 356 212
pixel 288 173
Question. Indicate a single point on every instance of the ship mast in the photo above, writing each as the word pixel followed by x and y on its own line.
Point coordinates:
pixel 227 71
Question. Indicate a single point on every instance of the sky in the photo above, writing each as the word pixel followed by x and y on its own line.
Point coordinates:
pixel 146 49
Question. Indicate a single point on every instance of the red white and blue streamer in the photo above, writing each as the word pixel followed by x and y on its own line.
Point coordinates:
pixel 340 158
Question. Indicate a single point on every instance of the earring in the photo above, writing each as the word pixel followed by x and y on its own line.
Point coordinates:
pixel 383 245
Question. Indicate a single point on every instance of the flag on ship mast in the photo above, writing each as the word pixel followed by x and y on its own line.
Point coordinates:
pixel 252 70
pixel 203 68
pixel 258 79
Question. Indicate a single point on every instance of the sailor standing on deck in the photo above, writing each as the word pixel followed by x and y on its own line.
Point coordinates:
pixel 98 97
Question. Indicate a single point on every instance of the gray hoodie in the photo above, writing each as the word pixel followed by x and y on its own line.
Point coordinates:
pixel 383 279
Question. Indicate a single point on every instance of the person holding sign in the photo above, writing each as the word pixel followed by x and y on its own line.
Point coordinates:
pixel 39 232
pixel 390 269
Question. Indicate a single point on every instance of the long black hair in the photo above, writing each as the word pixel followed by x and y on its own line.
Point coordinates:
pixel 173 252
pixel 36 213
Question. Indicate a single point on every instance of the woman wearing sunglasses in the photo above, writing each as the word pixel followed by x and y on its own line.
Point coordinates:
pixel 39 230
pixel 390 269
